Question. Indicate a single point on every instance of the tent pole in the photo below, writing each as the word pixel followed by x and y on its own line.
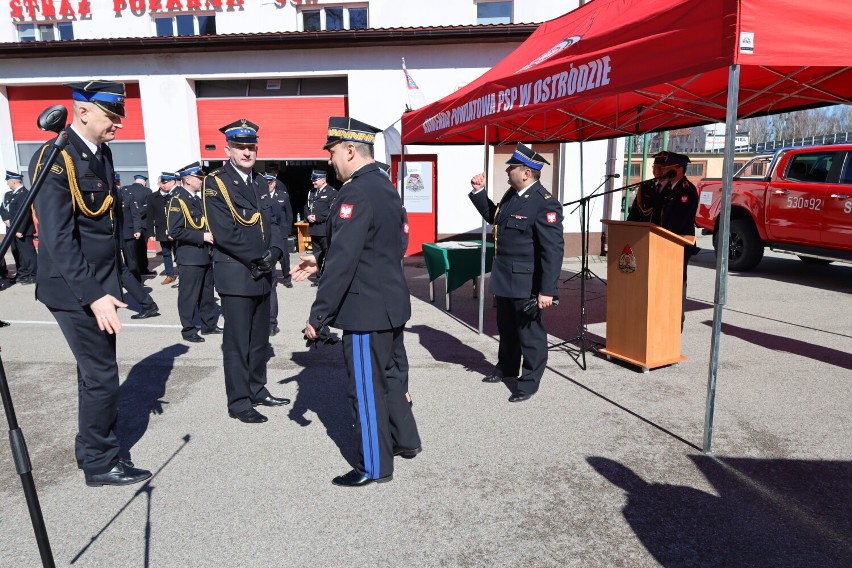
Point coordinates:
pixel 484 233
pixel 723 243
pixel 400 174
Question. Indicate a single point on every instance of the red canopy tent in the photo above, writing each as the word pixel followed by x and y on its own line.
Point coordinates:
pixel 619 67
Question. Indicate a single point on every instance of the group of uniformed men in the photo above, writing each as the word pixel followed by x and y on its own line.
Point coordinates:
pixel 233 217
pixel 236 213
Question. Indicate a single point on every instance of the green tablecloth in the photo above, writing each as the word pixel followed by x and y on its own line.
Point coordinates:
pixel 459 261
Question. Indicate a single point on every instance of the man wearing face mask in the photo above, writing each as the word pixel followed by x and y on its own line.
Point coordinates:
pixel 80 282
pixel 246 246
pixel 675 206
pixel 193 242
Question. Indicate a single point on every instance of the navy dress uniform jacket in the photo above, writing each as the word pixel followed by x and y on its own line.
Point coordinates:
pixel 320 205
pixel 134 206
pixel 79 256
pixel 158 225
pixel 280 195
pixel 363 287
pixel 189 241
pixel 228 207
pixel 12 202
pixel 676 207
pixel 528 243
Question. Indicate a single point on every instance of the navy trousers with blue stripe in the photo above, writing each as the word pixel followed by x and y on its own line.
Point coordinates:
pixel 373 373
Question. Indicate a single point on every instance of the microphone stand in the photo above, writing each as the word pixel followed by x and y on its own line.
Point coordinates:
pixel 584 274
pixel 51 119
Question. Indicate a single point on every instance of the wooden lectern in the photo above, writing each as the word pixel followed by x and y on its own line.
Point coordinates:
pixel 644 294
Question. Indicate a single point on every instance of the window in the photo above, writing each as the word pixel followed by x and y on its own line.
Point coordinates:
pixel 185 25
pixel 283 87
pixel 129 159
pixel 335 18
pixel 46 32
pixel 811 167
pixel 494 13
pixel 695 169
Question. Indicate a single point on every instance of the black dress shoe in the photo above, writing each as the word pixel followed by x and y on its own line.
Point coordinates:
pixel 250 416
pixel 125 461
pixel 288 284
pixel 406 453
pixel 212 331
pixel 314 285
pixel 274 330
pixel 120 474
pixel 520 396
pixel 357 479
pixel 4 323
pixel 144 314
pixel 492 379
pixel 194 338
pixel 271 401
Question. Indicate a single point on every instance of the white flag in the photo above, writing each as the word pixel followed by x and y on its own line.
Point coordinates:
pixel 415 97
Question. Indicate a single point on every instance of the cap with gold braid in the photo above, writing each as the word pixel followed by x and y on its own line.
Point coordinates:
pixel 344 128
pixel 106 95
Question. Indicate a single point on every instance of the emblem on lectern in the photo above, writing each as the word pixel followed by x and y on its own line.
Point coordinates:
pixel 627 260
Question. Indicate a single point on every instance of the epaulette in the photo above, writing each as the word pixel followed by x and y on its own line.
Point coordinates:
pixel 216 172
pixel 544 193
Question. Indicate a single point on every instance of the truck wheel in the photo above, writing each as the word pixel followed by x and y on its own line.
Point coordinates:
pixel 746 248
pixel 815 261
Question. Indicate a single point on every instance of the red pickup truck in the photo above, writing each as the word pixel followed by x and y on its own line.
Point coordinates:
pixel 797 201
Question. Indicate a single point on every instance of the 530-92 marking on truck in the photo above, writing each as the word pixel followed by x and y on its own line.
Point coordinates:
pixel 813 203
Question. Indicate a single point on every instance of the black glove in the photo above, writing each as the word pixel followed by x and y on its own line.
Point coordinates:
pixel 266 263
pixel 531 307
pixel 326 337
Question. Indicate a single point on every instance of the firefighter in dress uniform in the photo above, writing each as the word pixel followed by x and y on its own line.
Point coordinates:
pixel 247 244
pixel 528 249
pixel 317 210
pixel 193 245
pixel 80 281
pixel 364 293
pixel 675 206
pixel 23 249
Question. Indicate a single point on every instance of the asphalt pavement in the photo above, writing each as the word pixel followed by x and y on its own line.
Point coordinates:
pixel 603 467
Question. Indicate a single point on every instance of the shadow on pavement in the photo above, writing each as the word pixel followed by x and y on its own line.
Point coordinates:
pixel 820 353
pixel 322 390
pixel 768 512
pixel 443 346
pixel 141 394
pixel 146 489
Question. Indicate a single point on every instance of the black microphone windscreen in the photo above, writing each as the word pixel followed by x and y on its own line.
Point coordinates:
pixel 615 175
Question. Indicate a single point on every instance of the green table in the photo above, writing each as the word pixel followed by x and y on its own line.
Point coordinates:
pixel 458 262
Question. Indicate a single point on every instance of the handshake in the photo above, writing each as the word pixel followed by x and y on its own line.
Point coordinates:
pixel 326 337
pixel 266 263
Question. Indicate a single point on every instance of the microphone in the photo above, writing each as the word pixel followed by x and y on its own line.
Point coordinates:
pixel 616 176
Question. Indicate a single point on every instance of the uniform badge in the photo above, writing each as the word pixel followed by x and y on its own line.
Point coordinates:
pixel 627 260
pixel 684 198
pixel 552 217
pixel 346 211
pixel 56 169
pixel 210 192
pixel 405 228
pixel 174 210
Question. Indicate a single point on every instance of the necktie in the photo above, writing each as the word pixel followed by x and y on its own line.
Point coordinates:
pixel 99 156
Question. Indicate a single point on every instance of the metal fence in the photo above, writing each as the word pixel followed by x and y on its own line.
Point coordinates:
pixel 770 147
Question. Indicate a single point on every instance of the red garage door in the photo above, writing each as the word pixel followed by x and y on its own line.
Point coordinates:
pixel 293 127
